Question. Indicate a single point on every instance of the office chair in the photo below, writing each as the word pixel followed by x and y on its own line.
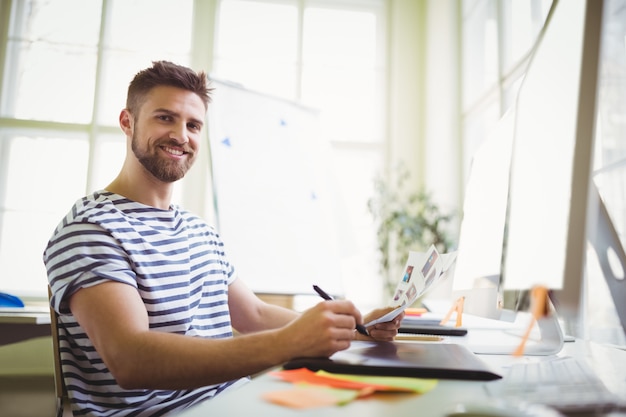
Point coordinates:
pixel 60 390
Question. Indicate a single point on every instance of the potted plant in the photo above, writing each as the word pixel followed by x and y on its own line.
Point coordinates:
pixel 407 220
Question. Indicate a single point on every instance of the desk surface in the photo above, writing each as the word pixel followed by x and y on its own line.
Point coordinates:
pixel 26 315
pixel 17 325
pixel 609 363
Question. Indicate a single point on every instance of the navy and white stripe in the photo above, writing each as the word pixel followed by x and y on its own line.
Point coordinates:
pixel 178 265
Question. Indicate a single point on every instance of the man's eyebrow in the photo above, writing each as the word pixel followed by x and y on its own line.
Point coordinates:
pixel 164 110
pixel 198 122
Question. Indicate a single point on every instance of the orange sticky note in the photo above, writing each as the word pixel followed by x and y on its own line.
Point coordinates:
pixel 304 375
pixel 415 311
pixel 356 382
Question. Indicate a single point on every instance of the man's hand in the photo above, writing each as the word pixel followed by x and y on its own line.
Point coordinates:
pixel 386 331
pixel 322 330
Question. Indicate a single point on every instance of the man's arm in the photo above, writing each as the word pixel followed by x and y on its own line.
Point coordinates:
pixel 115 319
pixel 248 313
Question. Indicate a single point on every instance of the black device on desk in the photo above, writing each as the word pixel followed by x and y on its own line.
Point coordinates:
pixel 417 360
pixel 430 327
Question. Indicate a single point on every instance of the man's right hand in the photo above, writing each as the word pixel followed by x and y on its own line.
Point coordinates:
pixel 322 330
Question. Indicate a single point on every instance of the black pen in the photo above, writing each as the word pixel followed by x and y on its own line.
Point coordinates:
pixel 359 327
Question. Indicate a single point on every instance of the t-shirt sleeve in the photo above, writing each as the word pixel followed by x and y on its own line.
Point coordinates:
pixel 82 255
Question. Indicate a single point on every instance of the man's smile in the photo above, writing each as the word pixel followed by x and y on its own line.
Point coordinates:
pixel 173 151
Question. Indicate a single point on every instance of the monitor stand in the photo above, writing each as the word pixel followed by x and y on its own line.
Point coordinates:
pixel 607 245
pixel 546 337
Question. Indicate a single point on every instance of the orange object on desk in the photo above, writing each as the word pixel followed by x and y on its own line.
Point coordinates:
pixel 457 307
pixel 415 312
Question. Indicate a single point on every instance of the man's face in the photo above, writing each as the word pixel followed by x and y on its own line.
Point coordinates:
pixel 166 132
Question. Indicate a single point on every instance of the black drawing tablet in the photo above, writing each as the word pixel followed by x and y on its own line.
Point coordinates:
pixel 418 360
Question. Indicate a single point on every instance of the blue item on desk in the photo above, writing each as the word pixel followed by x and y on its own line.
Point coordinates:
pixel 8 300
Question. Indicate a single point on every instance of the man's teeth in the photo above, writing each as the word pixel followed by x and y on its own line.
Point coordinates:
pixel 173 151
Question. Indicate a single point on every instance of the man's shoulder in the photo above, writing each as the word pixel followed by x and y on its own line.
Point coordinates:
pixel 98 208
pixel 94 205
pixel 88 216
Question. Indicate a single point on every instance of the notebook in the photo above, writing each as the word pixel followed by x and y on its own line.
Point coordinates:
pixel 419 360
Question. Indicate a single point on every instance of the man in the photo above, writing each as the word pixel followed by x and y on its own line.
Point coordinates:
pixel 146 297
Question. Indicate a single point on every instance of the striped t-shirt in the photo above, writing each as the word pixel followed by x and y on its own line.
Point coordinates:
pixel 177 264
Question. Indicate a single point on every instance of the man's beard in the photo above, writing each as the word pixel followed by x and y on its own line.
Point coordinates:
pixel 166 170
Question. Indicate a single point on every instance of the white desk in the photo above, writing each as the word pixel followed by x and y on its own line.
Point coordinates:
pixel 17 325
pixel 610 363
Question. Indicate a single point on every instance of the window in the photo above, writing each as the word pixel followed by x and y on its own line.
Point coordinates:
pixel 48 53
pixel 497 37
pixel 257 45
pixel 63 86
pixel 64 82
pixel 328 56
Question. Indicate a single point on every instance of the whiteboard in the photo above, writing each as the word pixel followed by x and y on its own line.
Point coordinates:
pixel 270 174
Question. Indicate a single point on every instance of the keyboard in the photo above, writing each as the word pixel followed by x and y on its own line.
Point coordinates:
pixel 566 384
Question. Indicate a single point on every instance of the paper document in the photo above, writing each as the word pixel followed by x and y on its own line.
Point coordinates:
pixel 421 273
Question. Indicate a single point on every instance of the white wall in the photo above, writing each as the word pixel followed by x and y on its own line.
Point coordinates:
pixel 424 94
pixel 442 122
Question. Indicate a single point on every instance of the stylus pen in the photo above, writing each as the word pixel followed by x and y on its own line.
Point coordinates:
pixel 359 327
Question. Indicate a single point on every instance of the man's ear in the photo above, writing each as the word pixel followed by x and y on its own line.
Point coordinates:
pixel 126 122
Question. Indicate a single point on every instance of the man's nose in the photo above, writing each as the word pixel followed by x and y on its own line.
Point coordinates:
pixel 179 133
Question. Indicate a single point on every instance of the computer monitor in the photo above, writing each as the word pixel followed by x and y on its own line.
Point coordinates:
pixel 606 261
pixel 477 269
pixel 550 196
pixel 551 159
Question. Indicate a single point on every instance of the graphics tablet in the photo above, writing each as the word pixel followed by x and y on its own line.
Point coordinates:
pixel 418 360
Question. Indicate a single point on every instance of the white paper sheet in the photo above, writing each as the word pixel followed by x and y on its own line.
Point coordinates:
pixel 422 272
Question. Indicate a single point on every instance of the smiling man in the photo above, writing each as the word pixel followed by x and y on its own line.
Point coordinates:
pixel 146 297
pixel 163 123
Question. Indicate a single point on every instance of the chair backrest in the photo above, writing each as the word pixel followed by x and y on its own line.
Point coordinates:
pixel 59 385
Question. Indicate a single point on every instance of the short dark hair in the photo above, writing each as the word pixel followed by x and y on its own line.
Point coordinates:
pixel 169 74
